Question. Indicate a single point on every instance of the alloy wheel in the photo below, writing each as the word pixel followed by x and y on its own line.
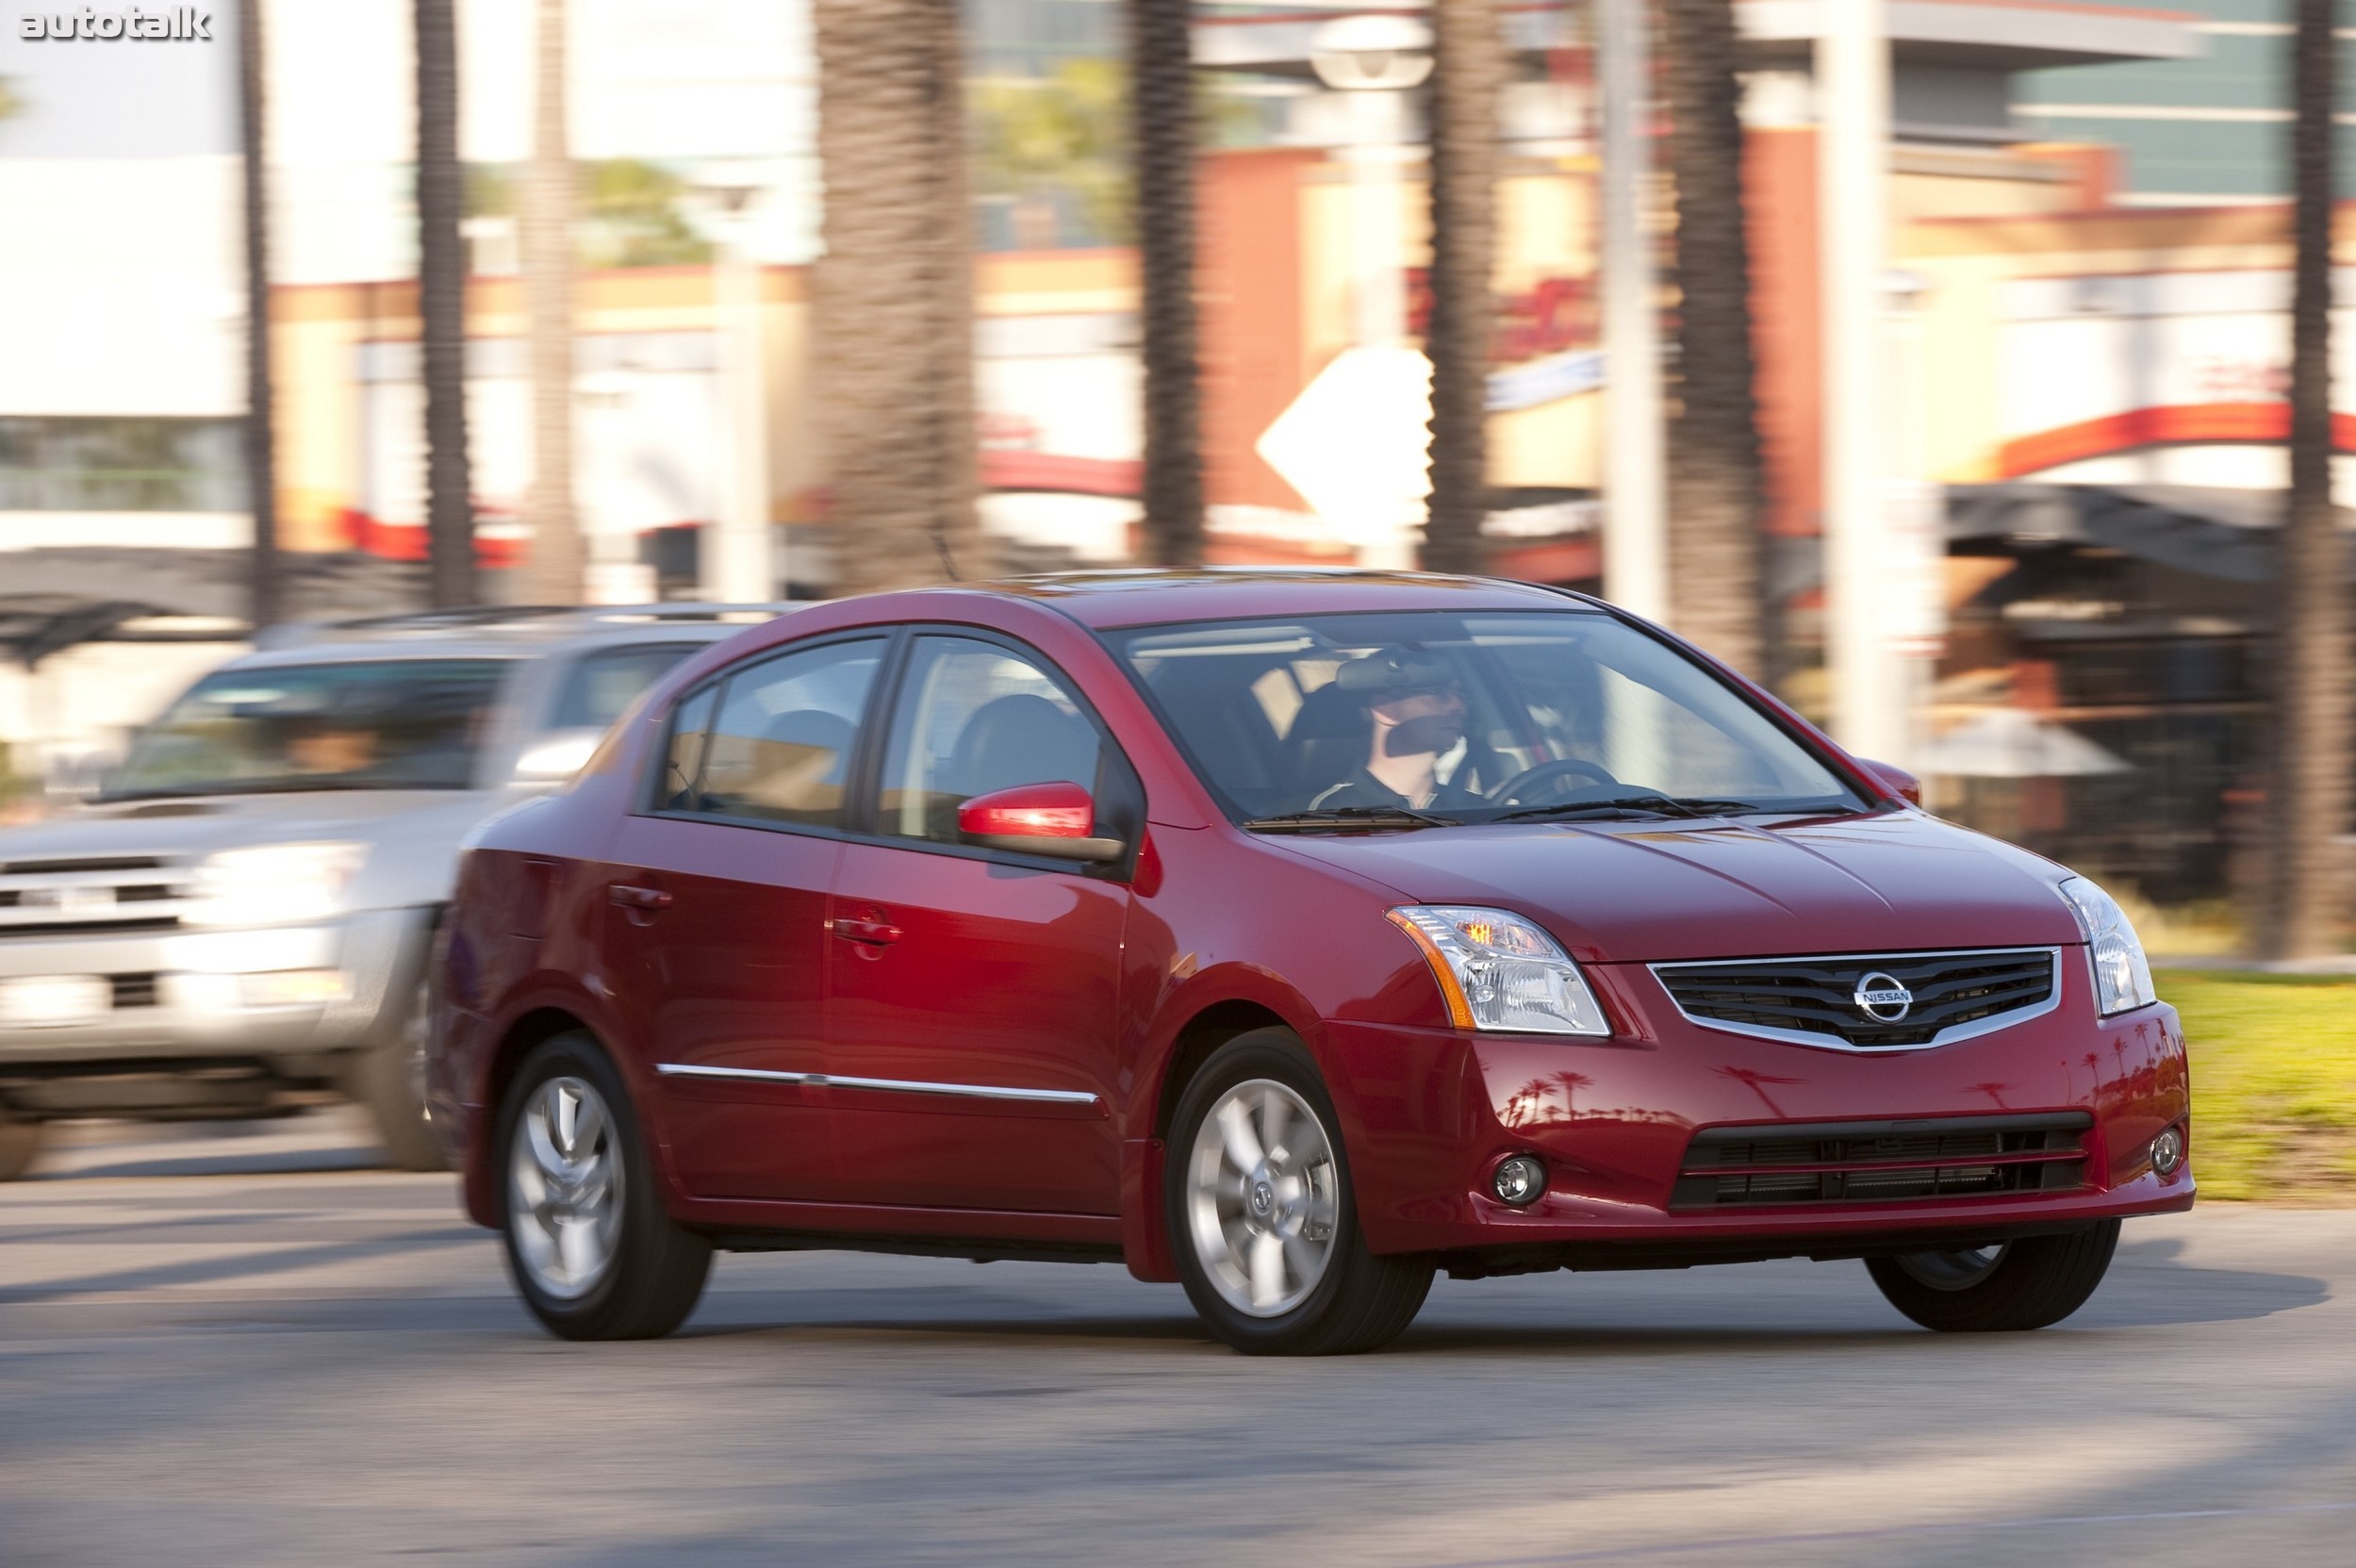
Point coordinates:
pixel 1262 1198
pixel 563 1187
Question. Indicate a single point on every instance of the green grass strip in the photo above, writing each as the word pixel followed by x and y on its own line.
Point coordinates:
pixel 2273 1082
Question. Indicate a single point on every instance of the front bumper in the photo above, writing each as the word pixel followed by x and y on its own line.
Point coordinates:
pixel 202 1006
pixel 1430 1112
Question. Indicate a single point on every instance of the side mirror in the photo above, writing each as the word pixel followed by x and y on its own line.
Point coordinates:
pixel 555 756
pixel 1897 780
pixel 1054 819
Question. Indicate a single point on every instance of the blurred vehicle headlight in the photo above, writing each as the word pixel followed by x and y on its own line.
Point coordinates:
pixel 1498 972
pixel 274 885
pixel 557 758
pixel 2123 975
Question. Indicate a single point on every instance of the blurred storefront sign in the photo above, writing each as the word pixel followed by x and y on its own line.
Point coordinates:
pixel 1354 444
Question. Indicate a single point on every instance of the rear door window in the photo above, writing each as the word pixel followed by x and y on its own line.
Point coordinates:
pixel 780 739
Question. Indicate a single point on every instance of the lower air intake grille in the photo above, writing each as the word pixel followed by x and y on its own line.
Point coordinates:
pixel 1727 1167
pixel 134 990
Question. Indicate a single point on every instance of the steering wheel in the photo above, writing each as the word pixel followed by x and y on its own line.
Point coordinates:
pixel 1551 774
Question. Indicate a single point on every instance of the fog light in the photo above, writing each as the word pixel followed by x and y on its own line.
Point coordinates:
pixel 292 988
pixel 2168 1153
pixel 1519 1180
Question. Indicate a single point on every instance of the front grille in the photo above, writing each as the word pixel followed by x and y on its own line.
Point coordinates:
pixel 109 895
pixel 1813 1000
pixel 1882 1161
pixel 134 990
pixel 87 928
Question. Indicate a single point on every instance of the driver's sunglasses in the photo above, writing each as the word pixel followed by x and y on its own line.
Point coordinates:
pixel 1448 688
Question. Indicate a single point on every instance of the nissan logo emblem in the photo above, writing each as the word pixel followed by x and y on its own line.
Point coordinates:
pixel 1880 998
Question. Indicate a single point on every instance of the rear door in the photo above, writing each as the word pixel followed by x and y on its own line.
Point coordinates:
pixel 716 915
pixel 972 1009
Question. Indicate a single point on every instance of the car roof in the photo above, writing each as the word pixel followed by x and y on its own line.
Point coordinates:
pixel 1103 601
pixel 501 633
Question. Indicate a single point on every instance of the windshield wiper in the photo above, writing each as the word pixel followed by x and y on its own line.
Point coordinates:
pixel 1659 805
pixel 1349 816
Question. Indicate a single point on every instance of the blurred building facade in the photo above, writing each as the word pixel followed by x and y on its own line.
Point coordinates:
pixel 2207 130
pixel 2094 380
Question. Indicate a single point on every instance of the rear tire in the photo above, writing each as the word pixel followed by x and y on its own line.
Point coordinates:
pixel 20 1145
pixel 1260 1213
pixel 388 1080
pixel 2025 1285
pixel 589 1245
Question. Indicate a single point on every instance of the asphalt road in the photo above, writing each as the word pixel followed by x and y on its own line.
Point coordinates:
pixel 249 1349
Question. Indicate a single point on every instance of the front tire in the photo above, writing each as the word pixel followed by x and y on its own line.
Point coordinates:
pixel 20 1145
pixel 1260 1214
pixel 2025 1285
pixel 387 1078
pixel 589 1245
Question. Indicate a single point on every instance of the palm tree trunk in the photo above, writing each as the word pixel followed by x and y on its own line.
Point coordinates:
pixel 891 333
pixel 1163 73
pixel 266 604
pixel 2310 799
pixel 552 573
pixel 1715 478
pixel 1468 74
pixel 442 311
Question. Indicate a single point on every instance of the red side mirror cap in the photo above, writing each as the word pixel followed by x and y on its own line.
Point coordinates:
pixel 1056 819
pixel 1896 780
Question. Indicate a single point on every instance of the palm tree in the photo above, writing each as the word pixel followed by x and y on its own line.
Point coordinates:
pixel 442 311
pixel 1161 67
pixel 1468 74
pixel 261 463
pixel 1715 479
pixel 552 573
pixel 892 334
pixel 2309 798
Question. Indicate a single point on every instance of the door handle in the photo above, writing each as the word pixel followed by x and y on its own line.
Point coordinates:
pixel 638 898
pixel 874 933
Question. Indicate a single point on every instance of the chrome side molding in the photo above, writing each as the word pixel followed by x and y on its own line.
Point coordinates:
pixel 889 1085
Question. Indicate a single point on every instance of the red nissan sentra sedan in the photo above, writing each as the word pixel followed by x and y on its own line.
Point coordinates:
pixel 1293 935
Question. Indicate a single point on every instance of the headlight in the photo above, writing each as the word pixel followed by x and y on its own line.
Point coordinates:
pixel 274 885
pixel 1498 972
pixel 2122 976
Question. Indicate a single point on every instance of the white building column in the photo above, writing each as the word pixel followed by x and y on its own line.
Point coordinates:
pixel 1853 172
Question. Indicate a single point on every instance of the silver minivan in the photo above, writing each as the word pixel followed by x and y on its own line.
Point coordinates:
pixel 237 922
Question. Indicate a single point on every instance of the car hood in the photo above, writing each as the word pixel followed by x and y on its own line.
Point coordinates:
pixel 1727 887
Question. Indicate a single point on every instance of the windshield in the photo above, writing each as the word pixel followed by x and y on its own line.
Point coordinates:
pixel 396 724
pixel 606 682
pixel 1469 718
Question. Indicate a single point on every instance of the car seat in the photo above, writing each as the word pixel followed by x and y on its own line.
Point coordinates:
pixel 1020 739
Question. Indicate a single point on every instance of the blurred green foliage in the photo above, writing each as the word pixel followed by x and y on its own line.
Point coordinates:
pixel 2273 1082
pixel 632 213
pixel 1064 138
pixel 1066 132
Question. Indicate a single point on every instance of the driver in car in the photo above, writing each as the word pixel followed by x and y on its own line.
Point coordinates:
pixel 1418 708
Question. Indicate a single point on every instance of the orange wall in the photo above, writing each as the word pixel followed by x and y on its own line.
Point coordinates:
pixel 1250 288
pixel 1779 167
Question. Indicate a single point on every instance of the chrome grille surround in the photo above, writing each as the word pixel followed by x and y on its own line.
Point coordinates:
pixel 92 895
pixel 1794 972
